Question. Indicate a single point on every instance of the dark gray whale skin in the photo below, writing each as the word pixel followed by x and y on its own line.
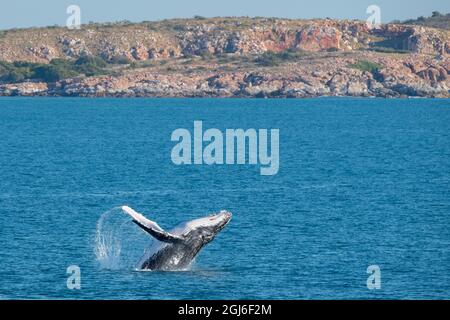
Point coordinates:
pixel 175 250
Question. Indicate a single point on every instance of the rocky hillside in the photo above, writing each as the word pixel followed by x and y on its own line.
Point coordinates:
pixel 228 57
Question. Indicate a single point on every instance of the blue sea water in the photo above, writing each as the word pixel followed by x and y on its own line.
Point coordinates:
pixel 361 182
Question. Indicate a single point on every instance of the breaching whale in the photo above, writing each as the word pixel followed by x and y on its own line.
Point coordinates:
pixel 175 249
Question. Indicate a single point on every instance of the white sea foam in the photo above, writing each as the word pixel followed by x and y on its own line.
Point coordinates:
pixel 118 243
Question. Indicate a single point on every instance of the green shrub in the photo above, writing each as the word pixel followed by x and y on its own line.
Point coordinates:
pixel 207 55
pixel 393 44
pixel 91 61
pixel 63 63
pixel 142 64
pixel 57 69
pixel 436 14
pixel 119 60
pixel 270 59
pixel 90 65
pixel 53 73
pixel 388 50
pixel 14 77
pixel 16 71
pixel 365 65
pixel 178 27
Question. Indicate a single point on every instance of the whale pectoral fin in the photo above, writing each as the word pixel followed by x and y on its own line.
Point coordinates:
pixel 159 235
pixel 151 227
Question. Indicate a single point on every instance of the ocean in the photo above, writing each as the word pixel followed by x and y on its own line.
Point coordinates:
pixel 361 182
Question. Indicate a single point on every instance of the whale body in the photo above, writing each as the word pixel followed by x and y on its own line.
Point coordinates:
pixel 175 249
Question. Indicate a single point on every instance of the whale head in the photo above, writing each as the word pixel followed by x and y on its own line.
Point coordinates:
pixel 208 227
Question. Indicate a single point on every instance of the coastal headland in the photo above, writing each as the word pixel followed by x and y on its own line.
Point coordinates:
pixel 227 57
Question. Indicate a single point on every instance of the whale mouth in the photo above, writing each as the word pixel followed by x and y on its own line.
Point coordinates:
pixel 222 215
pixel 226 216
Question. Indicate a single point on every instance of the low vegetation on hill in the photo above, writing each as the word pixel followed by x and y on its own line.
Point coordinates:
pixel 271 59
pixel 57 69
pixel 437 20
pixel 365 65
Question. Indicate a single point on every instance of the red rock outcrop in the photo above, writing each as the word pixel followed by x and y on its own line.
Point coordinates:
pixel 316 38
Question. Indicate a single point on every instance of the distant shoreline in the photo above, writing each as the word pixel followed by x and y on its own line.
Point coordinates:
pixel 222 98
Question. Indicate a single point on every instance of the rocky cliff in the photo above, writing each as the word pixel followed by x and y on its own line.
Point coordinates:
pixel 243 57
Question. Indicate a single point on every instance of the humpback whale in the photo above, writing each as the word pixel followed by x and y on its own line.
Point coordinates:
pixel 175 249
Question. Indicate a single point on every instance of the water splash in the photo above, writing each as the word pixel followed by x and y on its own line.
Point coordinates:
pixel 118 244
